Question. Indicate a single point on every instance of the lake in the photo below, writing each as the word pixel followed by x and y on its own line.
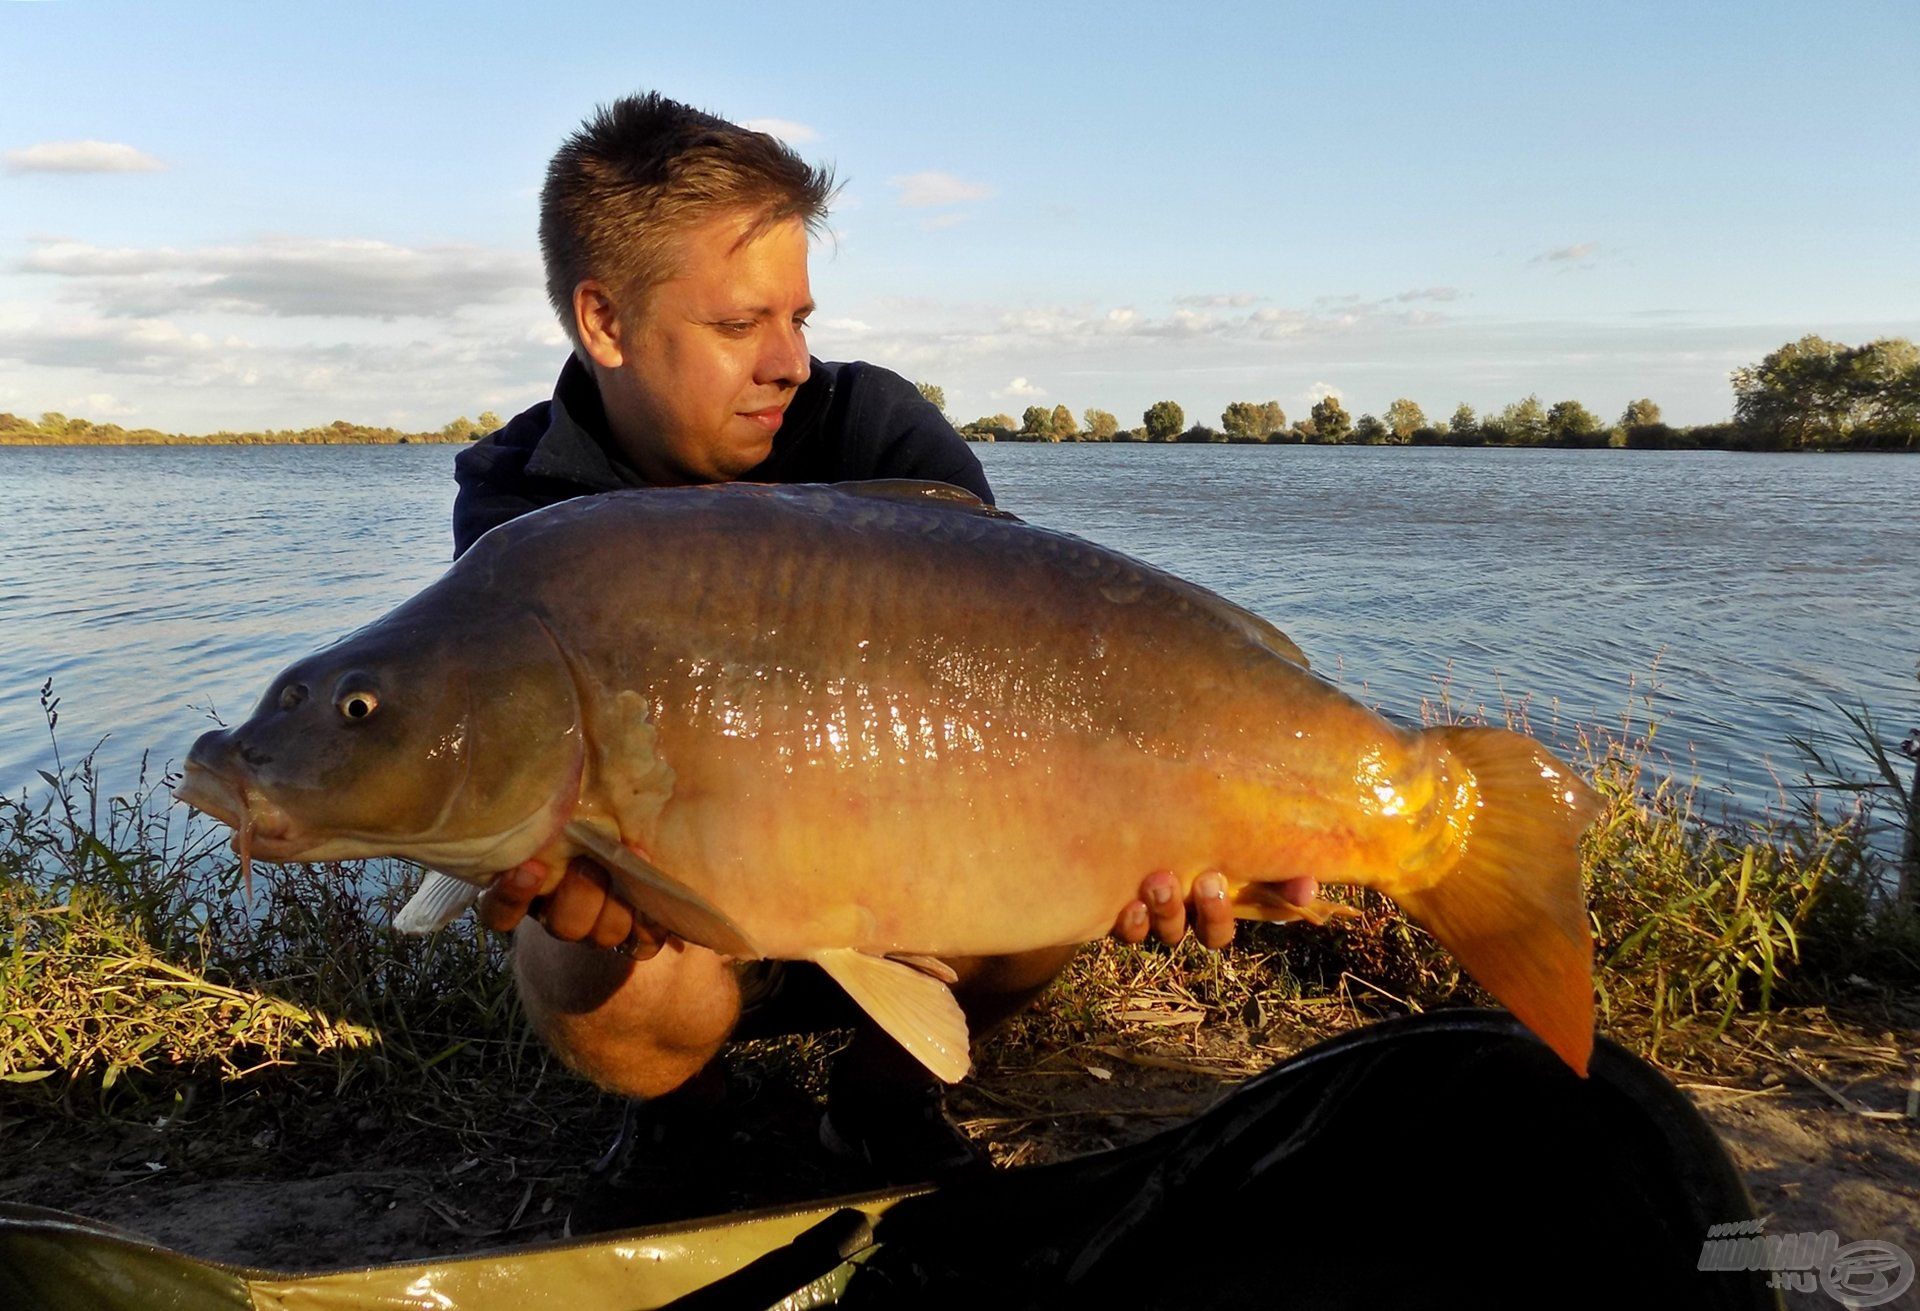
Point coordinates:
pixel 1747 593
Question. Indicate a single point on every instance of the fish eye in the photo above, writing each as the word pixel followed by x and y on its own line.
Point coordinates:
pixel 357 705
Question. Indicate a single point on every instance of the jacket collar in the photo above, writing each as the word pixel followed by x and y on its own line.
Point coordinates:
pixel 578 448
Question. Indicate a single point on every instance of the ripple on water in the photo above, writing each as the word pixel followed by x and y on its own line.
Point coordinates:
pixel 1749 592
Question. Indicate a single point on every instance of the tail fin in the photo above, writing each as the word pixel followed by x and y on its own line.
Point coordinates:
pixel 1511 909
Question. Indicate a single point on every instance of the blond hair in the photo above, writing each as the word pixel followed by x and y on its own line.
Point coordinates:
pixel 645 170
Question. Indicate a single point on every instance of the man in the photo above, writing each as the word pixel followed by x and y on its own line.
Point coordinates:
pixel 676 257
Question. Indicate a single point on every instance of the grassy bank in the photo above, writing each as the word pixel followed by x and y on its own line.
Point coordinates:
pixel 59 430
pixel 135 970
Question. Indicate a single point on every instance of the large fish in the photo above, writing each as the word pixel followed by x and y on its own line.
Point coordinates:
pixel 871 725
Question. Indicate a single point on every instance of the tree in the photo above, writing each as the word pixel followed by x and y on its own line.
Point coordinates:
pixel 1404 418
pixel 1523 423
pixel 1791 398
pixel 933 395
pixel 1036 424
pixel 1369 431
pixel 1463 429
pixel 1164 420
pixel 1652 437
pixel 1814 392
pixel 1060 424
pixel 1251 422
pixel 1637 413
pixel 488 422
pixel 1331 422
pixel 1569 423
pixel 1100 425
pixel 461 429
pixel 989 428
pixel 1201 433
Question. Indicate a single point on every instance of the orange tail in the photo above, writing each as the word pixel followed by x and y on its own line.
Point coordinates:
pixel 1511 910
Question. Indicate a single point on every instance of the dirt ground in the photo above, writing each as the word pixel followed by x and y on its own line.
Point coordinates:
pixel 1825 1136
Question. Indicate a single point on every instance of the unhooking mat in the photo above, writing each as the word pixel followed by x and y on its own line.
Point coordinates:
pixel 1436 1161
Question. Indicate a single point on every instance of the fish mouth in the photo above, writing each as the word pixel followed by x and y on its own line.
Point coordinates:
pixel 260 828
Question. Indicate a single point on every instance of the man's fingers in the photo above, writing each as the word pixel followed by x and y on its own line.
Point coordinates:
pixel 1300 891
pixel 614 926
pixel 1131 927
pixel 1166 914
pixel 505 903
pixel 574 907
pixel 579 909
pixel 644 942
pixel 1212 916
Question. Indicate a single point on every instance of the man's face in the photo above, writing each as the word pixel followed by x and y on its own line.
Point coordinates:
pixel 697 382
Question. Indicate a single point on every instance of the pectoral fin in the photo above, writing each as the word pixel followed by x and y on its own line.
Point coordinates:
pixel 1262 901
pixel 914 1007
pixel 933 965
pixel 662 898
pixel 440 900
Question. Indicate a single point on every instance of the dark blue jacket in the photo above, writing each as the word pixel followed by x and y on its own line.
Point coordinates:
pixel 846 423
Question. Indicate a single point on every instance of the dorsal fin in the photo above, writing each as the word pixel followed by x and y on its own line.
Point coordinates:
pixel 916 492
pixel 1260 630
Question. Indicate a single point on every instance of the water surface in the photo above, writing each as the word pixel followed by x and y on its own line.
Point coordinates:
pixel 1751 592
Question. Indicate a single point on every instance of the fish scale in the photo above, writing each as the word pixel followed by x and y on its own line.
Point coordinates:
pixel 851 724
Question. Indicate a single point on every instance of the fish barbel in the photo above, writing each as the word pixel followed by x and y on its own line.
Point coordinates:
pixel 871 725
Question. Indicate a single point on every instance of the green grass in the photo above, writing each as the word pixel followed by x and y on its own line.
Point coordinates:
pixel 133 962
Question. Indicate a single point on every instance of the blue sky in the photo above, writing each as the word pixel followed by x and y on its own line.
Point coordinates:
pixel 293 214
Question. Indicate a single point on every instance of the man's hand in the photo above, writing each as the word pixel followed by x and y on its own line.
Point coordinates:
pixel 579 909
pixel 1161 912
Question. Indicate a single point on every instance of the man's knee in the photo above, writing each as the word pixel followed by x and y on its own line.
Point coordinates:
pixel 641 1028
pixel 992 989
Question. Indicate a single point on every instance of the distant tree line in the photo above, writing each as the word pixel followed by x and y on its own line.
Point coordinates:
pixel 1809 395
pixel 54 429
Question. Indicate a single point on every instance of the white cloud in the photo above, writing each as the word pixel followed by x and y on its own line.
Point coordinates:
pixel 930 189
pixel 146 346
pixel 785 128
pixel 1321 390
pixel 159 372
pixel 288 277
pixel 81 157
pixel 1222 300
pixel 938 221
pixel 1430 293
pixel 846 325
pixel 1266 324
pixel 548 332
pixel 1569 254
pixel 1019 389
pixel 97 405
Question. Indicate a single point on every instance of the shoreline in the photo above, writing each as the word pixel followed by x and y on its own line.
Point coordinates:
pixel 389 438
pixel 243 439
